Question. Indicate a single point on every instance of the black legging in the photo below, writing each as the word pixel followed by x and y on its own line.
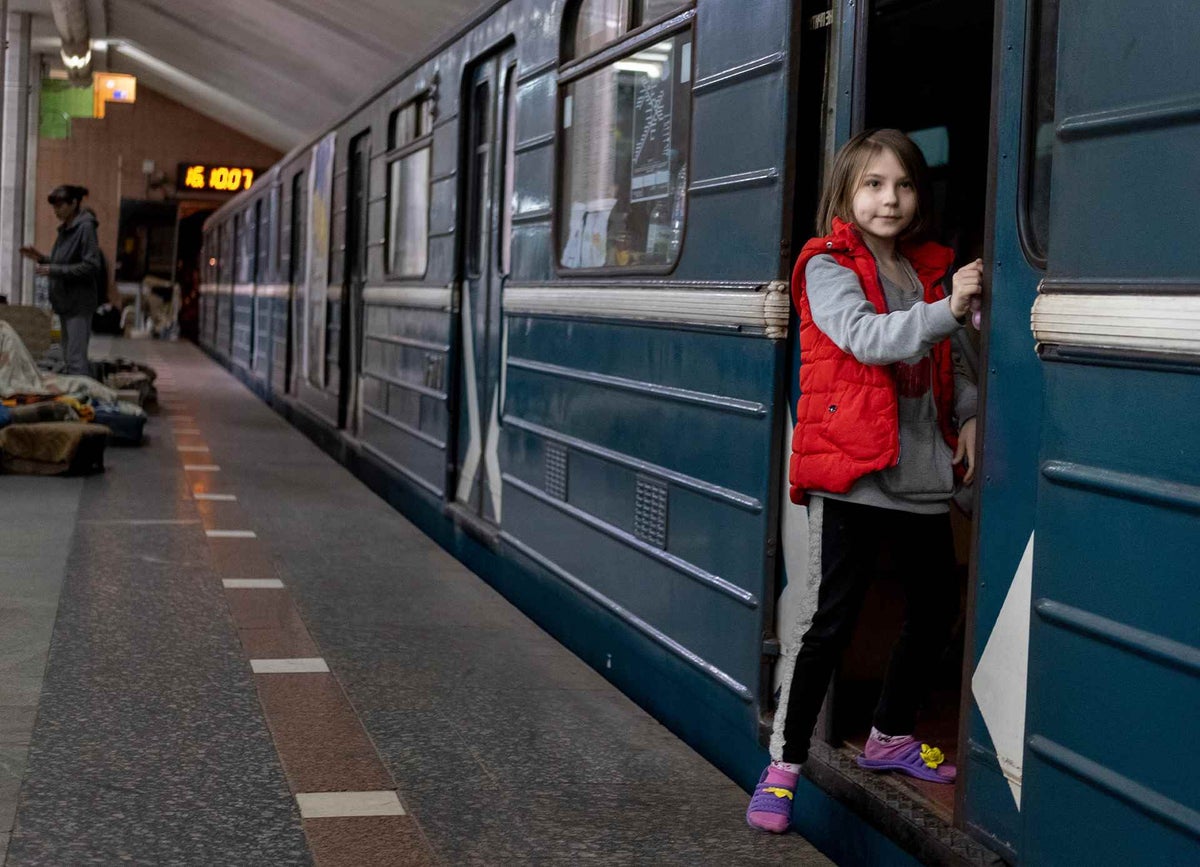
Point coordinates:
pixel 852 539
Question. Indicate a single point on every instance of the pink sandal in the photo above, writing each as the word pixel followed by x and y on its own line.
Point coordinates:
pixel 915 759
pixel 771 805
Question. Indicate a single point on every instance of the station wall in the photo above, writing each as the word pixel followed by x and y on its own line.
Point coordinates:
pixel 154 128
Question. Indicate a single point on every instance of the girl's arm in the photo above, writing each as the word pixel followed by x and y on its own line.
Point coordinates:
pixel 843 313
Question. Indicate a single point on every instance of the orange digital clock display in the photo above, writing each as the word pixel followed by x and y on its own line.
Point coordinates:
pixel 216 179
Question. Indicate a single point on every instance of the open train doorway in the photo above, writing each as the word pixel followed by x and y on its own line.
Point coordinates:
pixel 924 67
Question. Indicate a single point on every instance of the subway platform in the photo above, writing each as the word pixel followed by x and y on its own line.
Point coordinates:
pixel 225 650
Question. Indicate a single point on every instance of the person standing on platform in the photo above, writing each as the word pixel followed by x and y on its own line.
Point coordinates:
pixel 75 268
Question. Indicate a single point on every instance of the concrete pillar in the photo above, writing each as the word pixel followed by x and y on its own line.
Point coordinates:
pixel 14 138
pixel 3 54
pixel 33 130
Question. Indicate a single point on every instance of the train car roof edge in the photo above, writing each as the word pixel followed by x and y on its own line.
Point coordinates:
pixel 441 44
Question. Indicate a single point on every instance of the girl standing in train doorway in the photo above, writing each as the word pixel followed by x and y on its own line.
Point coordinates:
pixel 883 420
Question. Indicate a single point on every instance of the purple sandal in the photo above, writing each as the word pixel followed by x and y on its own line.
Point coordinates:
pixel 917 760
pixel 771 805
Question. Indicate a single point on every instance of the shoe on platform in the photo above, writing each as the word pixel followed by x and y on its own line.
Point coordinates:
pixel 771 804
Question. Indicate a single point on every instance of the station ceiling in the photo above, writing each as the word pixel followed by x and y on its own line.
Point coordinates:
pixel 279 70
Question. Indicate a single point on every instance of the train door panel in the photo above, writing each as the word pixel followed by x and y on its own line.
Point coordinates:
pixel 487 163
pixel 1114 644
pixel 354 280
pixel 992 727
pixel 857 85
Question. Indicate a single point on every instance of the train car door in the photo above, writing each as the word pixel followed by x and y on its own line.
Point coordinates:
pixel 489 102
pixel 1110 764
pixel 355 276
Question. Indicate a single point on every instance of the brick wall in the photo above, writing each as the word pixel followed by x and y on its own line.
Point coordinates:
pixel 154 128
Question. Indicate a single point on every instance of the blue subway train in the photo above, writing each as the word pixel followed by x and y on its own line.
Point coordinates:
pixel 534 292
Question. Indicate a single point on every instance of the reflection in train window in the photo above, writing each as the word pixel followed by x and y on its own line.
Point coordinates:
pixel 624 152
pixel 1039 119
pixel 408 214
pixel 599 22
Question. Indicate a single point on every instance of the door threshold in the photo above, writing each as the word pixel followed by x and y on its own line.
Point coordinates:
pixel 895 810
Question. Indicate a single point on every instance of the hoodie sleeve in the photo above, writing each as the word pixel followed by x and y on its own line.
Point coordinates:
pixel 843 313
pixel 966 392
pixel 89 263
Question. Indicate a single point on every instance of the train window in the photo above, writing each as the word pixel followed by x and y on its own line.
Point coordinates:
pixel 245 247
pixel 261 242
pixel 227 255
pixel 625 131
pixel 655 10
pixel 410 122
pixel 408 214
pixel 478 204
pixel 599 22
pixel 509 119
pixel 276 225
pixel 1039 130
pixel 299 228
pixel 408 188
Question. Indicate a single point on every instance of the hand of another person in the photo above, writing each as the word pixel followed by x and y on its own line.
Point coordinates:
pixel 42 270
pixel 967 284
pixel 966 449
pixel 31 252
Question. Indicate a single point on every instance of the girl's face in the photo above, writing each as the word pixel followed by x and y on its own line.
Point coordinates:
pixel 885 202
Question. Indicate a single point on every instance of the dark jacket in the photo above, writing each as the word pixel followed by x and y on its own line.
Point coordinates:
pixel 75 267
pixel 846 420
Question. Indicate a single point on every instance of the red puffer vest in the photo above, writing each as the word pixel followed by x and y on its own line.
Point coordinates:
pixel 846 420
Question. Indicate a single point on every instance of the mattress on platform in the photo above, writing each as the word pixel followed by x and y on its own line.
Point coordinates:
pixel 53 448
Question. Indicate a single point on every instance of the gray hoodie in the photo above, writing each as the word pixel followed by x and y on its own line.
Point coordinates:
pixel 923 480
pixel 75 267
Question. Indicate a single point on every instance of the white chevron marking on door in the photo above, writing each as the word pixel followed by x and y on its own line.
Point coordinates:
pixel 470 467
pixel 1000 682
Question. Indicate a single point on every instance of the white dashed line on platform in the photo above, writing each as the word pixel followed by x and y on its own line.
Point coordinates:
pixel 314 665
pixel 220 498
pixel 252 583
pixel 201 468
pixel 329 805
pixel 231 534
pixel 192 448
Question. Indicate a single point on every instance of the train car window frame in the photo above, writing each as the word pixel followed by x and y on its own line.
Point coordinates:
pixel 638 15
pixel 508 138
pixel 405 141
pixel 247 260
pixel 640 39
pixel 481 140
pixel 262 241
pixel 299 237
pixel 1037 77
pixel 274 210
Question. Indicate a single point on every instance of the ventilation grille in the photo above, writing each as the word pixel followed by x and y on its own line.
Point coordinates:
pixel 556 470
pixel 650 512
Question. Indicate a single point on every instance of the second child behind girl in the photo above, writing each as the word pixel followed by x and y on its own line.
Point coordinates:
pixel 883 418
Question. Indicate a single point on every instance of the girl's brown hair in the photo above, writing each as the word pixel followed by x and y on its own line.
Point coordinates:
pixel 850 165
